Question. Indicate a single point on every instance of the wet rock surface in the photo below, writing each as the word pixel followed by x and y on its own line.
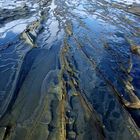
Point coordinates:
pixel 69 70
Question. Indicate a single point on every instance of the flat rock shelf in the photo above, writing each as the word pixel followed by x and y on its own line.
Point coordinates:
pixel 69 69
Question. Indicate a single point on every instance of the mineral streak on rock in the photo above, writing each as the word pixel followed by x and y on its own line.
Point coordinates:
pixel 91 121
pixel 69 70
pixel 2 132
pixel 135 49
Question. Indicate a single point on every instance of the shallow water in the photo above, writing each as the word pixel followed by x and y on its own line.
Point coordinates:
pixel 67 70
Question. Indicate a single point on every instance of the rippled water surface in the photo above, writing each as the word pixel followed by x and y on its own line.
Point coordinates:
pixel 69 69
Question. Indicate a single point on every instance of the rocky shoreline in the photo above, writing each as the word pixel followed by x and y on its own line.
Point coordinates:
pixel 69 70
